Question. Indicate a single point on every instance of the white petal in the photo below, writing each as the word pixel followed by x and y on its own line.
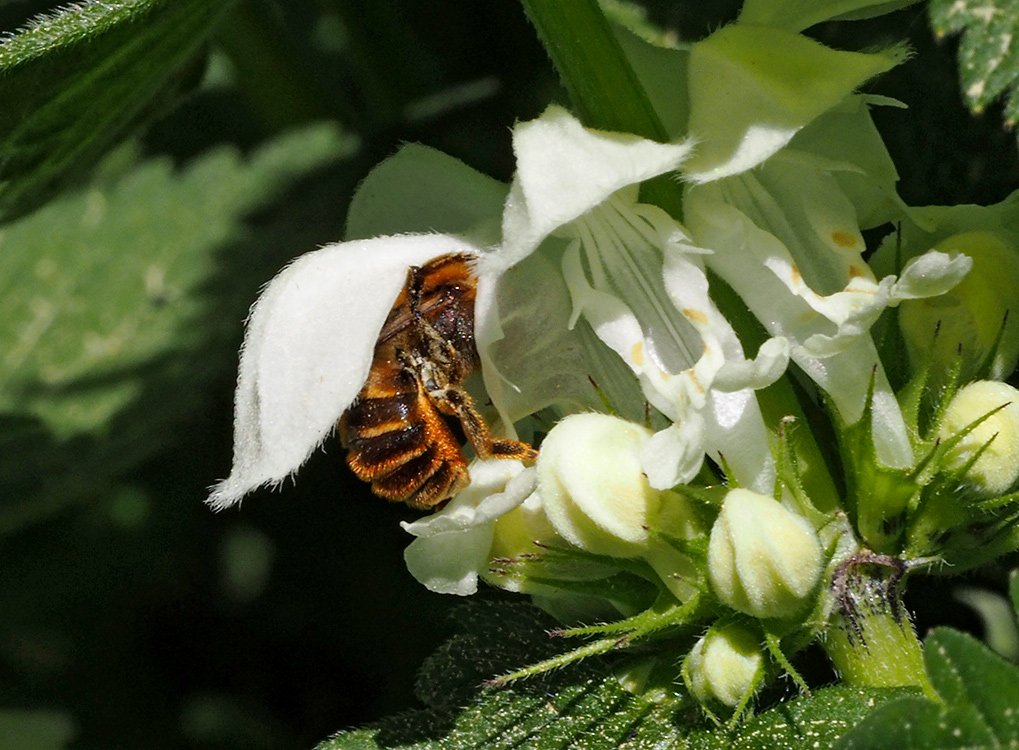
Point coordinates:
pixel 308 348
pixel 742 251
pixel 497 487
pixel 531 358
pixel 449 563
pixel 674 455
pixel 769 365
pixel 734 432
pixel 565 169
pixel 930 275
pixel 453 545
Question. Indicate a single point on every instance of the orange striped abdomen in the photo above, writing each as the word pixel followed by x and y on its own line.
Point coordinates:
pixel 399 442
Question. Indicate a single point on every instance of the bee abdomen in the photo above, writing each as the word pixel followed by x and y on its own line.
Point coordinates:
pixel 423 481
pixel 402 445
pixel 379 452
pixel 372 416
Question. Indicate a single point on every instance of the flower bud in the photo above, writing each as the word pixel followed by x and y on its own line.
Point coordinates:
pixel 968 317
pixel 763 559
pixel 997 468
pixel 724 665
pixel 592 486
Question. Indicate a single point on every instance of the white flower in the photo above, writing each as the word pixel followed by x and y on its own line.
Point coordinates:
pixel 636 282
pixel 587 284
pixel 786 237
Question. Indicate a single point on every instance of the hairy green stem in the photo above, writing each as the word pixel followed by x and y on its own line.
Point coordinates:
pixel 871 641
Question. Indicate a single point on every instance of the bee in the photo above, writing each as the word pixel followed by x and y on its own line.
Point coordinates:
pixel 401 430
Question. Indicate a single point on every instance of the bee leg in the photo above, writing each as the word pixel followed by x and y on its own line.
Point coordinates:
pixel 458 403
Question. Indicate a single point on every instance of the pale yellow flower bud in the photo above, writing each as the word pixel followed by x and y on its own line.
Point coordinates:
pixel 724 665
pixel 763 559
pixel 592 487
pixel 997 468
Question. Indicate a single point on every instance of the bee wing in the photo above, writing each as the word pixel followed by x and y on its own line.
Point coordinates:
pixel 438 273
pixel 307 351
pixel 398 320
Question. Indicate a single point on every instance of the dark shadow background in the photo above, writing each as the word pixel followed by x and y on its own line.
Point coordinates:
pixel 154 623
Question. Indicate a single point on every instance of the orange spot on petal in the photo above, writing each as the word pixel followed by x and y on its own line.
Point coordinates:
pixel 844 239
pixel 637 353
pixel 695 316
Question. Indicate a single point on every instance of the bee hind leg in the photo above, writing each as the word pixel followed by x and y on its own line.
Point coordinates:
pixel 457 402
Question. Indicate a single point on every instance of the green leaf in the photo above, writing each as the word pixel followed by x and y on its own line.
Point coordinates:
pixel 916 724
pixel 980 691
pixel 121 303
pixel 662 71
pixel 817 721
pixel 580 706
pixel 74 82
pixel 988 56
pixel 797 15
pixel 965 672
pixel 419 189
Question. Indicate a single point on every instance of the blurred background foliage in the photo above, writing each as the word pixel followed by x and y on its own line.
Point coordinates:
pixel 131 616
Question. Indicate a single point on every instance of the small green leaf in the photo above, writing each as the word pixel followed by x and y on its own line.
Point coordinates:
pixel 988 55
pixel 980 691
pixel 74 82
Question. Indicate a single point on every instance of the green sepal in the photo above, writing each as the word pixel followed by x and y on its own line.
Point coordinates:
pixel 877 496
